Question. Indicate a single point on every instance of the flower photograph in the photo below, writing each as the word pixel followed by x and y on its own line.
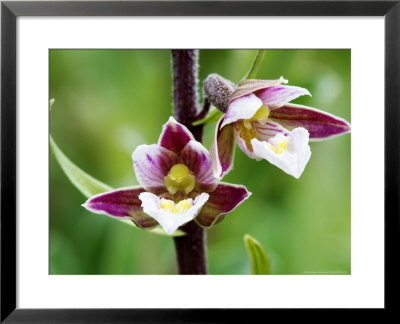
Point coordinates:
pixel 206 162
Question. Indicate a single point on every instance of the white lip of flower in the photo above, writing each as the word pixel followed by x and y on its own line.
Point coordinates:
pixel 171 215
pixel 289 153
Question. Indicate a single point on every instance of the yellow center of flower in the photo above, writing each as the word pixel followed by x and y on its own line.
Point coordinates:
pixel 176 208
pixel 247 134
pixel 261 115
pixel 247 131
pixel 280 147
pixel 179 178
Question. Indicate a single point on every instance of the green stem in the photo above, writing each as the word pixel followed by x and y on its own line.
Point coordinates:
pixel 256 64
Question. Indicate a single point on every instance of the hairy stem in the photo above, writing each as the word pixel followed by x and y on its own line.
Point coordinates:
pixel 184 65
pixel 190 248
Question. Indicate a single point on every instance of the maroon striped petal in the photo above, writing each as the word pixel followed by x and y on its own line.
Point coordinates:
pixel 198 160
pixel 268 129
pixel 123 203
pixel 221 201
pixel 152 164
pixel 223 149
pixel 277 96
pixel 319 124
pixel 174 136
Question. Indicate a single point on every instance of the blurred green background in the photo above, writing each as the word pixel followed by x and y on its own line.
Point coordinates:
pixel 110 101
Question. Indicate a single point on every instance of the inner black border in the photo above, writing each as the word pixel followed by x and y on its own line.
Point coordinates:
pixel 10 10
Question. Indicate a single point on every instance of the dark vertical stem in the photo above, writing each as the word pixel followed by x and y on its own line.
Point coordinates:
pixel 190 248
pixel 184 64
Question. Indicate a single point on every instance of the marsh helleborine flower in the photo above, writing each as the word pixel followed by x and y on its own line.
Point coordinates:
pixel 177 185
pixel 266 126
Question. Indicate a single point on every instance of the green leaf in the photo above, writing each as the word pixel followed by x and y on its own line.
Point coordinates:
pixel 259 260
pixel 88 185
pixel 85 183
pixel 212 116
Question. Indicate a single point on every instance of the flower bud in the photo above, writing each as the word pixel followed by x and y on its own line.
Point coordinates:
pixel 218 91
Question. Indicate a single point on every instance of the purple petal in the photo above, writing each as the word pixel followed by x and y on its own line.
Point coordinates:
pixel 222 149
pixel 275 97
pixel 198 160
pixel 121 203
pixel 174 136
pixel 222 201
pixel 248 86
pixel 152 164
pixel 269 129
pixel 242 108
pixel 319 124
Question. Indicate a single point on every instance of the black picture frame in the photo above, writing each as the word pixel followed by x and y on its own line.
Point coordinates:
pixel 10 10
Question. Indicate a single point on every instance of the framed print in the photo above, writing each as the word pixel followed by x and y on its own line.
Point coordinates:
pixel 142 140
